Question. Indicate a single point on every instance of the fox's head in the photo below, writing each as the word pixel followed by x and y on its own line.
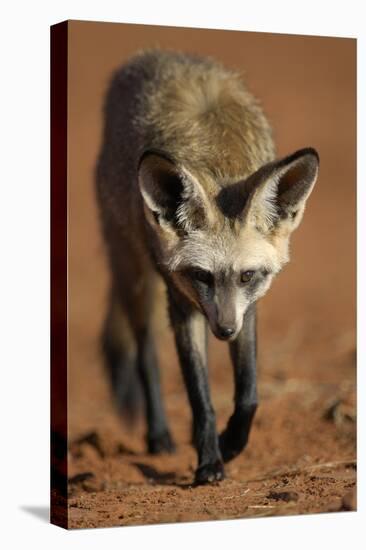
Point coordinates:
pixel 222 245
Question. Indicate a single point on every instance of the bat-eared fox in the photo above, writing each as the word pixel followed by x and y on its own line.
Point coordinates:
pixel 190 192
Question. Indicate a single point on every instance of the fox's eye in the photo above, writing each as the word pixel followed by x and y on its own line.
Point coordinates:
pixel 246 276
pixel 203 276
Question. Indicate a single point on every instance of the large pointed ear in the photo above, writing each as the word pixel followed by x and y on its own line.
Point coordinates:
pixel 279 190
pixel 174 197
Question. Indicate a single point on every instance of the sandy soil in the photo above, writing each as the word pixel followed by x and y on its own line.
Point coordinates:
pixel 301 457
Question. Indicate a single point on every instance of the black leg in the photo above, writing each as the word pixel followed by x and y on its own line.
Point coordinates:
pixel 158 435
pixel 243 355
pixel 190 330
pixel 119 350
pixel 121 367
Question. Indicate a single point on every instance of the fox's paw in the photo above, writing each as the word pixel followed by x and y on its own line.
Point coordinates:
pixel 209 473
pixel 231 446
pixel 234 438
pixel 161 443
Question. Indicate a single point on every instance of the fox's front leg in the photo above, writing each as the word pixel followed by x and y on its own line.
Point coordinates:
pixel 243 355
pixel 190 331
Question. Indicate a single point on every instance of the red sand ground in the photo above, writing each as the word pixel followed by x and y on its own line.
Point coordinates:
pixel 300 459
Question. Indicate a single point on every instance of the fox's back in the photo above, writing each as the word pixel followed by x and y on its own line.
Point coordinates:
pixel 192 109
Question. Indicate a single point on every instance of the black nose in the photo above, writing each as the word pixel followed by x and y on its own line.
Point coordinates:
pixel 225 332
